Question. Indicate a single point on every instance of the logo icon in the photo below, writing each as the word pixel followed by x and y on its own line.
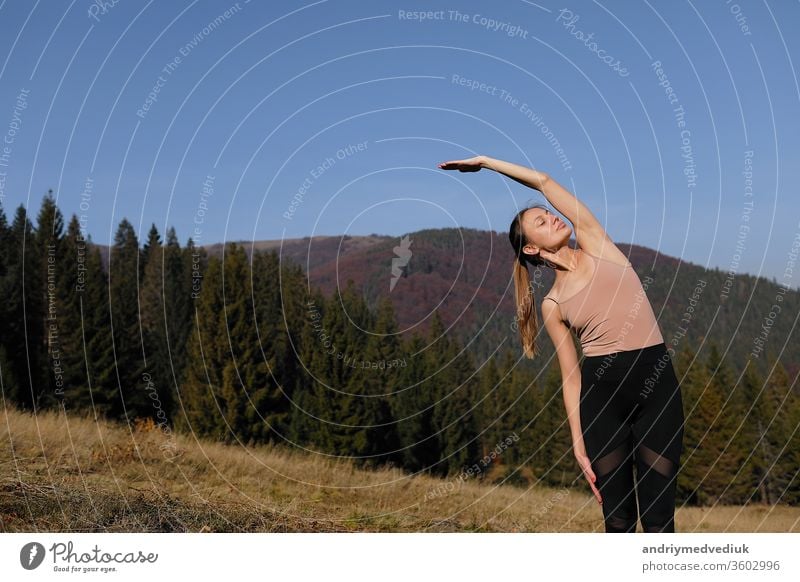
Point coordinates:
pixel 31 555
pixel 402 256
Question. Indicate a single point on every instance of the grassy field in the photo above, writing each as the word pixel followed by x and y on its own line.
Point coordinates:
pixel 71 473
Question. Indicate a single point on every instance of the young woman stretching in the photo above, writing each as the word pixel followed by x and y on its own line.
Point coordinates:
pixel 623 402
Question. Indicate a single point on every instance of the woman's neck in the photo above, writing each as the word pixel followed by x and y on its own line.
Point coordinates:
pixel 565 260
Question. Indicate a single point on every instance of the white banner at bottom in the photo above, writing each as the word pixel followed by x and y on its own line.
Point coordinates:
pixel 398 557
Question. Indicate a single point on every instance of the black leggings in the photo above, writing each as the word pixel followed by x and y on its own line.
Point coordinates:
pixel 632 415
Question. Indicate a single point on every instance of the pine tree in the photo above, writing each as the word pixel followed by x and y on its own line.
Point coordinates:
pixel 9 381
pixel 245 375
pixel 490 396
pixel 709 467
pixel 101 388
pixel 720 371
pixel 452 371
pixel 47 245
pixel 178 316
pixel 517 412
pixel 192 262
pixel 313 413
pixel 72 275
pixel 201 404
pixel 730 426
pixel 339 344
pixel 374 381
pixel 287 344
pixel 133 381
pixel 694 385
pixel 152 292
pixel 5 241
pixel 152 309
pixel 152 244
pixel 412 409
pixel 781 407
pixel 554 460
pixel 23 326
pixel 278 292
pixel 454 414
pixel 357 411
pixel 755 470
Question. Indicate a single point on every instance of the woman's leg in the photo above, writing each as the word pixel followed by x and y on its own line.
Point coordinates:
pixel 656 484
pixel 658 433
pixel 614 473
pixel 605 424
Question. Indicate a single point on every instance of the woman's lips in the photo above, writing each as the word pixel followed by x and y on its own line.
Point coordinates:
pixel 560 226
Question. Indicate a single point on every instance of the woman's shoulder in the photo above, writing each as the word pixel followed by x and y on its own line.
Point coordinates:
pixel 606 250
pixel 551 309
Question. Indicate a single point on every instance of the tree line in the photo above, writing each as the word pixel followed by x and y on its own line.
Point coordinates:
pixel 243 350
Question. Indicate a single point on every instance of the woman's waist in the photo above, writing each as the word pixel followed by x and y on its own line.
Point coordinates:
pixel 629 357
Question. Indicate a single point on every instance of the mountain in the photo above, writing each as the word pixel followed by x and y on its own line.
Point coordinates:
pixel 466 275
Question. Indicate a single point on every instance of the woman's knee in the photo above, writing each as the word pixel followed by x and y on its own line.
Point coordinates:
pixel 622 520
pixel 658 520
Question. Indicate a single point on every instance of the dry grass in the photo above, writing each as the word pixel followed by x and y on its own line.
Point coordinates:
pixel 70 473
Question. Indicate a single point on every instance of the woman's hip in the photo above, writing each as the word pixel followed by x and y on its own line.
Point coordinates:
pixel 634 376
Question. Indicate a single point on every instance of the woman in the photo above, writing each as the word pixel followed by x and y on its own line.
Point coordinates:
pixel 623 402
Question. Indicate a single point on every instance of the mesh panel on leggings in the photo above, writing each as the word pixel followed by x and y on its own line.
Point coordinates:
pixel 657 462
pixel 614 472
pixel 657 481
pixel 607 463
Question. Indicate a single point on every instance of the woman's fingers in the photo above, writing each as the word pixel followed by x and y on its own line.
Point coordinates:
pixel 457 165
pixel 596 492
pixel 591 478
pixel 470 165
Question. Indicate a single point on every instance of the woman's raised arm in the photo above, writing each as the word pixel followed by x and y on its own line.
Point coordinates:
pixel 588 230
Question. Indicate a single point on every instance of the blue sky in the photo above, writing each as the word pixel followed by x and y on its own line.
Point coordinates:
pixel 291 119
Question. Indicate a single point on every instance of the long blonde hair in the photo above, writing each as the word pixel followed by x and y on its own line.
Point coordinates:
pixel 526 320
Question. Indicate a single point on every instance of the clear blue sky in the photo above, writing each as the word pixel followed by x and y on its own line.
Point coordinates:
pixel 253 100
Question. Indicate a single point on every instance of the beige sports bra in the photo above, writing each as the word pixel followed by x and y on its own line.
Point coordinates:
pixel 611 313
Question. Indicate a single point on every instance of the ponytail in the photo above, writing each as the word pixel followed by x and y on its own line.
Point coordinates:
pixel 527 323
pixel 526 320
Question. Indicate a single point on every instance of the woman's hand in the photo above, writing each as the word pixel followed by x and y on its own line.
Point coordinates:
pixel 586 467
pixel 468 165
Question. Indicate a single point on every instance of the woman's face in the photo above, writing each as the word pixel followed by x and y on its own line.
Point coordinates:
pixel 544 230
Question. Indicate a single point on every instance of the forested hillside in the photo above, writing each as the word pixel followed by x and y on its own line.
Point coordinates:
pixel 249 348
